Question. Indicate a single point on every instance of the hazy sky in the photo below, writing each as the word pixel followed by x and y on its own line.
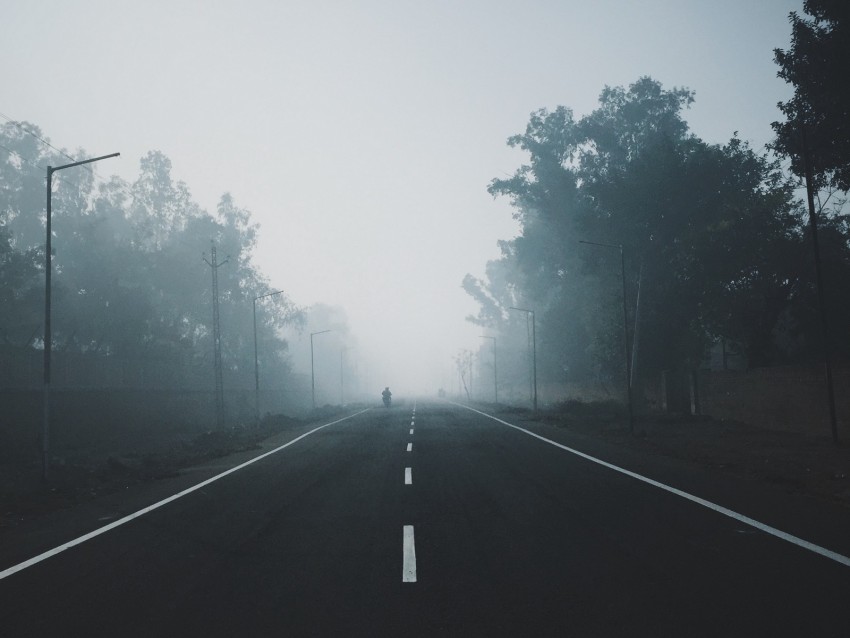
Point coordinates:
pixel 362 134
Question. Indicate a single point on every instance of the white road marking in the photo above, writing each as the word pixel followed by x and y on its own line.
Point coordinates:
pixel 410 447
pixel 767 529
pixel 408 570
pixel 408 476
pixel 411 422
pixel 411 430
pixel 82 539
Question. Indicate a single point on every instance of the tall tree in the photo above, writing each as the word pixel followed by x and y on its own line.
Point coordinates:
pixel 708 230
pixel 816 65
pixel 129 281
pixel 20 292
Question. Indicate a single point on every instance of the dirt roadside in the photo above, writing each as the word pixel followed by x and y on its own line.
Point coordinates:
pixel 79 478
pixel 810 465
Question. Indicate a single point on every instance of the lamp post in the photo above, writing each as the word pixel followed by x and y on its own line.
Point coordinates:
pixel 534 349
pixel 256 358
pixel 312 369
pixel 625 327
pixel 495 371
pixel 48 337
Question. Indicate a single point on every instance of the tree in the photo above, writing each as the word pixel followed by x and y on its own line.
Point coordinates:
pixel 160 206
pixel 816 65
pixel 129 281
pixel 20 293
pixel 712 232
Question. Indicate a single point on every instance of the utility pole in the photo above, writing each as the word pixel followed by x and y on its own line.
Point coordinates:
pixel 256 357
pixel 219 384
pixel 470 358
pixel 495 371
pixel 341 377
pixel 342 358
pixel 533 349
pixel 626 342
pixel 313 367
pixel 627 367
pixel 636 338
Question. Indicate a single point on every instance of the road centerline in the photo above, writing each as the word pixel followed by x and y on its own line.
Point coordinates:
pixel 408 476
pixel 408 572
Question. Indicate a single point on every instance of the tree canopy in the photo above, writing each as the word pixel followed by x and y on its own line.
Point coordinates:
pixel 129 279
pixel 816 65
pixel 712 235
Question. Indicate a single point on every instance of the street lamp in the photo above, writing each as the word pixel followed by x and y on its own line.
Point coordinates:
pixel 495 372
pixel 312 372
pixel 625 327
pixel 534 348
pixel 256 359
pixel 48 337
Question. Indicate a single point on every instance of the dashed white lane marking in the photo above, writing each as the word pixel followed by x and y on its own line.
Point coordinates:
pixel 408 570
pixel 408 476
pixel 767 529
pixel 411 422
pixel 411 430
pixel 410 447
pixel 82 539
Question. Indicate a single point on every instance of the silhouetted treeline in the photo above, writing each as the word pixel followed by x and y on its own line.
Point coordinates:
pixel 714 236
pixel 129 279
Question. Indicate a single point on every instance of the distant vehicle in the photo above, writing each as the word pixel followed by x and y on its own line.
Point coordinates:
pixel 387 396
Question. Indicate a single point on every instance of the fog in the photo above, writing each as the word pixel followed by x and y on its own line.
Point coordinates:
pixel 361 136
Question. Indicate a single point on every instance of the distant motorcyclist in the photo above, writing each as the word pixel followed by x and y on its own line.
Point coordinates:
pixel 387 396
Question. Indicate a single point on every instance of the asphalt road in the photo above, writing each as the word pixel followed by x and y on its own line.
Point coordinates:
pixel 511 536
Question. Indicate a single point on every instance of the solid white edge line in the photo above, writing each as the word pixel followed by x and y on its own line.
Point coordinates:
pixel 767 529
pixel 102 530
pixel 408 569
pixel 408 476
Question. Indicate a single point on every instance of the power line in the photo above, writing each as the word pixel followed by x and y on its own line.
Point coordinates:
pixel 34 165
pixel 43 141
pixel 123 187
pixel 21 157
